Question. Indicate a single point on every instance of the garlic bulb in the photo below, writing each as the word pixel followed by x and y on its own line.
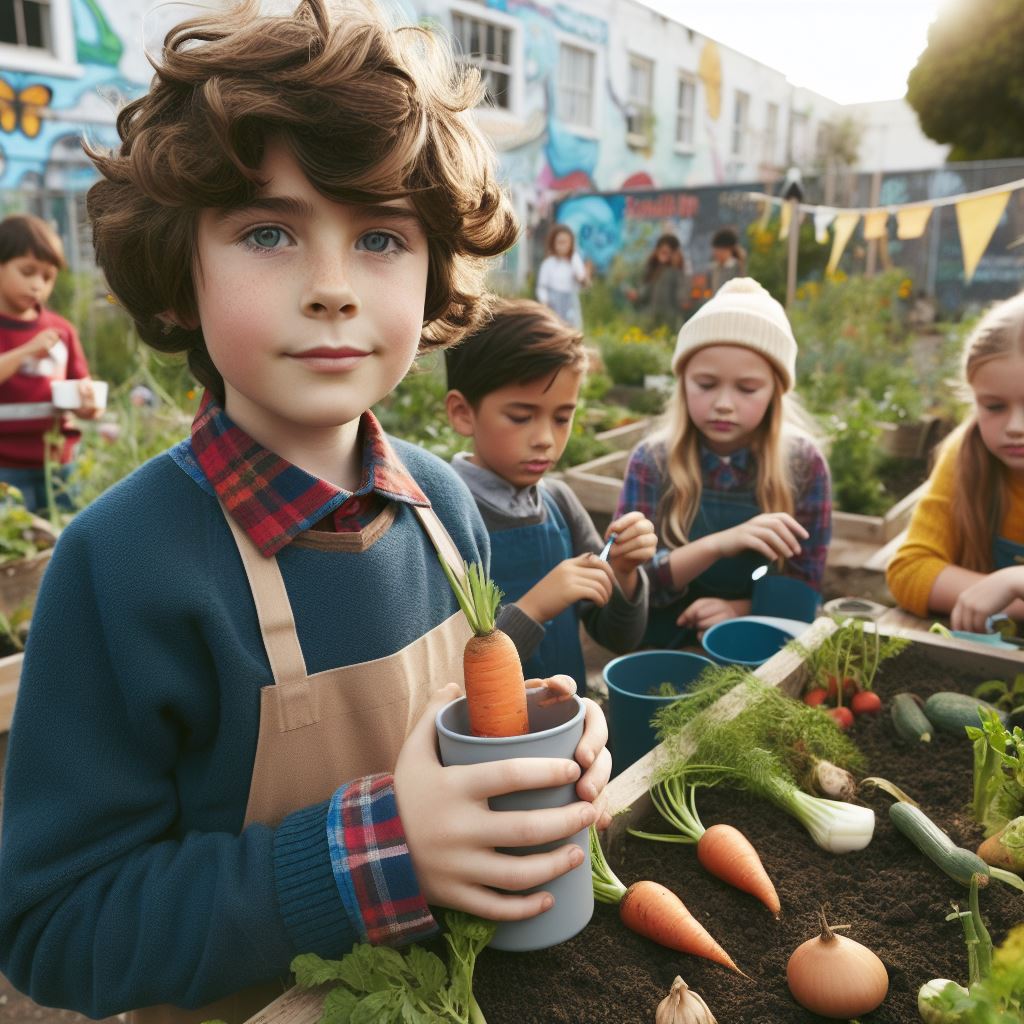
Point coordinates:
pixel 835 976
pixel 683 1006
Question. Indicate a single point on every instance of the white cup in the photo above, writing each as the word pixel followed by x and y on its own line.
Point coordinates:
pixel 67 396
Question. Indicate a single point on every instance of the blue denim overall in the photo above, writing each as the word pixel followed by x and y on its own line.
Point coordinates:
pixel 520 558
pixel 1006 553
pixel 728 578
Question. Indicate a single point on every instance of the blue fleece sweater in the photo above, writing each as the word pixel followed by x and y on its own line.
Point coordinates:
pixel 125 879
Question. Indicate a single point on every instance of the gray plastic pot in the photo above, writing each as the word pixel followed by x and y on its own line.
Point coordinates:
pixel 555 731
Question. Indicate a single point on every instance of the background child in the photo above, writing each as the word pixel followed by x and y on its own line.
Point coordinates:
pixel 728 258
pixel 965 546
pixel 663 295
pixel 728 487
pixel 223 752
pixel 514 388
pixel 36 347
pixel 562 275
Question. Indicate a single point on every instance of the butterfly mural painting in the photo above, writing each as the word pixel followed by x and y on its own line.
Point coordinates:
pixel 23 108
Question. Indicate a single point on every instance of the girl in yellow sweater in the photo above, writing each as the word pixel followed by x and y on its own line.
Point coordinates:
pixel 964 552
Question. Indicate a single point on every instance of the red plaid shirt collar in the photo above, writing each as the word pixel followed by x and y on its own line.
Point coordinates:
pixel 274 501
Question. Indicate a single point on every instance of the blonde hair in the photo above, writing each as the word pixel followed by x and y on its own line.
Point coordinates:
pixel 769 444
pixel 980 498
pixel 370 112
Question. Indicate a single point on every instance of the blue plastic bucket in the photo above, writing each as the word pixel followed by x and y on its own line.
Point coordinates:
pixel 631 704
pixel 742 642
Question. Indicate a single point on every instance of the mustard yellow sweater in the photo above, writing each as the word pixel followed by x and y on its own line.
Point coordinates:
pixel 930 546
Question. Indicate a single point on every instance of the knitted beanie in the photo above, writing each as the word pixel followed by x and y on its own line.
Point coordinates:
pixel 741 313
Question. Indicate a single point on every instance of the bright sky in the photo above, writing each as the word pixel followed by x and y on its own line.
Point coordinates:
pixel 851 51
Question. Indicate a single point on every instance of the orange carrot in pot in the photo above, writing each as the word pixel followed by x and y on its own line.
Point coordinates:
pixel 723 850
pixel 495 688
pixel 656 913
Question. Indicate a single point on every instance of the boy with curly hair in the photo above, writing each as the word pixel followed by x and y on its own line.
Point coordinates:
pixel 223 751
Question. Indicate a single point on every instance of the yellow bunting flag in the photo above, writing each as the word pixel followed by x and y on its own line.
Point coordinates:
pixel 843 226
pixel 977 220
pixel 786 215
pixel 911 222
pixel 766 215
pixel 874 224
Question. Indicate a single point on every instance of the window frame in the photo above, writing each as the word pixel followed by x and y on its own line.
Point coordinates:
pixel 490 17
pixel 690 79
pixel 59 61
pixel 770 139
pixel 644 138
pixel 740 128
pixel 574 43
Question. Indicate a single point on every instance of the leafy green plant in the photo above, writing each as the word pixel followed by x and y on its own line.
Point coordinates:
pixel 1006 696
pixel 998 771
pixel 378 985
pixel 21 536
pixel 854 459
pixel 632 355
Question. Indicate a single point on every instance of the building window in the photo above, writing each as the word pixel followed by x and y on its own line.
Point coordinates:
pixel 640 115
pixel 686 94
pixel 576 86
pixel 771 134
pixel 799 130
pixel 26 23
pixel 488 46
pixel 740 112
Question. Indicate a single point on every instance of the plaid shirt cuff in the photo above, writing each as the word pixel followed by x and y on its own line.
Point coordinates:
pixel 372 865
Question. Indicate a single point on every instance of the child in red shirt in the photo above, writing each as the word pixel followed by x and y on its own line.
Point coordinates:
pixel 36 347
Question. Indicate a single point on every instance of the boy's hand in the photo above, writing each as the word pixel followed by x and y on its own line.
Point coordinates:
pixel 772 534
pixel 583 578
pixel 452 832
pixel 592 753
pixel 88 410
pixel 994 593
pixel 635 545
pixel 706 611
pixel 40 343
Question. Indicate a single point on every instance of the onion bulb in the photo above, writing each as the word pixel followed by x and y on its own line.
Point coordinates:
pixel 836 977
pixel 683 1006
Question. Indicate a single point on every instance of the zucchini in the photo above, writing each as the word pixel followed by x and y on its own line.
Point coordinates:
pixel 952 712
pixel 960 864
pixel 909 720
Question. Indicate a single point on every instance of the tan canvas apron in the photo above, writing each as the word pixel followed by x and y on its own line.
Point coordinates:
pixel 317 732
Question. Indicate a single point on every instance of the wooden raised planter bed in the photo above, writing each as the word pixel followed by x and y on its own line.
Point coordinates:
pixel 10 672
pixel 594 975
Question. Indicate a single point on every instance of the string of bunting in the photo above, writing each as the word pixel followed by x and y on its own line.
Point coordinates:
pixel 977 217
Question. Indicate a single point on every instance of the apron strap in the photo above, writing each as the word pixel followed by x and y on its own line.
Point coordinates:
pixel 273 609
pixel 441 539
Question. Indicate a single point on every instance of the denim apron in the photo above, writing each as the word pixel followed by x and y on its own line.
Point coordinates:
pixel 727 578
pixel 1006 553
pixel 520 558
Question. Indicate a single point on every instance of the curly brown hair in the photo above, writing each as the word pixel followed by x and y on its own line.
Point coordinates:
pixel 371 113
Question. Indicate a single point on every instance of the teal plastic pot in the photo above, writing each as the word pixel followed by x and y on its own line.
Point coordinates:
pixel 743 642
pixel 631 704
pixel 555 731
pixel 785 598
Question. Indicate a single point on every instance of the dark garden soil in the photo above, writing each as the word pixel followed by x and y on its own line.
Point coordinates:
pixel 894 900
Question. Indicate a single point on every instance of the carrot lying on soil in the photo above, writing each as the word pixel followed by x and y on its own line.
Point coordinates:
pixel 721 849
pixel 495 688
pixel 656 913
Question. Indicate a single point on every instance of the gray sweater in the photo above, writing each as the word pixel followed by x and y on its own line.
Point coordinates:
pixel 620 624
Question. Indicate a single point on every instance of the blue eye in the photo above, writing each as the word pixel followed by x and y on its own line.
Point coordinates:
pixel 378 242
pixel 265 237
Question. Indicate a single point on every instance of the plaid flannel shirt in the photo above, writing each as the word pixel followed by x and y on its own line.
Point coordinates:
pixel 274 501
pixel 647 481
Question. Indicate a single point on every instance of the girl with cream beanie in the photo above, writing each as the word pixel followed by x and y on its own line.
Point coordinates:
pixel 729 485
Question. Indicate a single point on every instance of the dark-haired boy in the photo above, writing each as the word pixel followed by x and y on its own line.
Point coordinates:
pixel 514 386
pixel 37 346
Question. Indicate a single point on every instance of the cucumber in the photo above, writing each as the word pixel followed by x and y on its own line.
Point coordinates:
pixel 909 720
pixel 951 712
pixel 960 864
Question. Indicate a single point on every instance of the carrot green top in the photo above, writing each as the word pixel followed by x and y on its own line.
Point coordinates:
pixel 477 595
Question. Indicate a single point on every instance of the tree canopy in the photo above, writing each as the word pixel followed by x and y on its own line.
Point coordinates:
pixel 968 85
